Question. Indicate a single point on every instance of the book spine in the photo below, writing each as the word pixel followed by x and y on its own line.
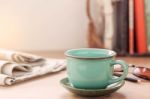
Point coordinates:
pixel 147 17
pixel 116 36
pixel 109 25
pixel 121 29
pixel 131 27
pixel 140 26
pixel 124 27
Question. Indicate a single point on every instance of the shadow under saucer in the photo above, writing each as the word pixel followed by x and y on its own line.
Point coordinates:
pixel 92 92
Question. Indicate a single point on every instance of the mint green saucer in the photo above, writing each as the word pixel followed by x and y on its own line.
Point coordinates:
pixel 92 92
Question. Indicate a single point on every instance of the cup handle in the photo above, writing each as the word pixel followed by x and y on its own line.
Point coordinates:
pixel 125 71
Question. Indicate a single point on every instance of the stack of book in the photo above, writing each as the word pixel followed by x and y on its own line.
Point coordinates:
pixel 132 31
pixel 131 26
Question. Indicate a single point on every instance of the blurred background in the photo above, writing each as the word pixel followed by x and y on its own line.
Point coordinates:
pixel 42 24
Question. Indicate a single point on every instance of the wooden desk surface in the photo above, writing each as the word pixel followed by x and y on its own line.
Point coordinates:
pixel 48 87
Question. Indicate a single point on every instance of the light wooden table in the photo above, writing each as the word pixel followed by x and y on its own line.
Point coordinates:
pixel 48 87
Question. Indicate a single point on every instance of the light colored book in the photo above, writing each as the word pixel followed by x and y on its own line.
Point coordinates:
pixel 109 24
pixel 147 17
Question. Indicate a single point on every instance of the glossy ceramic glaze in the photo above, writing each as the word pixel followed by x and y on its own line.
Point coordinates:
pixel 92 68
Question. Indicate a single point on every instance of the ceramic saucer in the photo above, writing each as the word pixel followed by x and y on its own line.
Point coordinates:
pixel 92 92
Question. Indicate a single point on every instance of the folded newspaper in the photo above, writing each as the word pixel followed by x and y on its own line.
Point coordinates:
pixel 17 66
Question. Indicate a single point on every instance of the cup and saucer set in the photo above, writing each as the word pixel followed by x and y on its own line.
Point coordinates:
pixel 90 72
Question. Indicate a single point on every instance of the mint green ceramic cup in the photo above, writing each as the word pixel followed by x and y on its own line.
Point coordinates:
pixel 91 68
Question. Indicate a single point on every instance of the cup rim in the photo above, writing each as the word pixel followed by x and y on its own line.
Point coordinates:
pixel 112 53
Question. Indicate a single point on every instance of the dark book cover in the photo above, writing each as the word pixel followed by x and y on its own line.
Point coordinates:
pixel 121 37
